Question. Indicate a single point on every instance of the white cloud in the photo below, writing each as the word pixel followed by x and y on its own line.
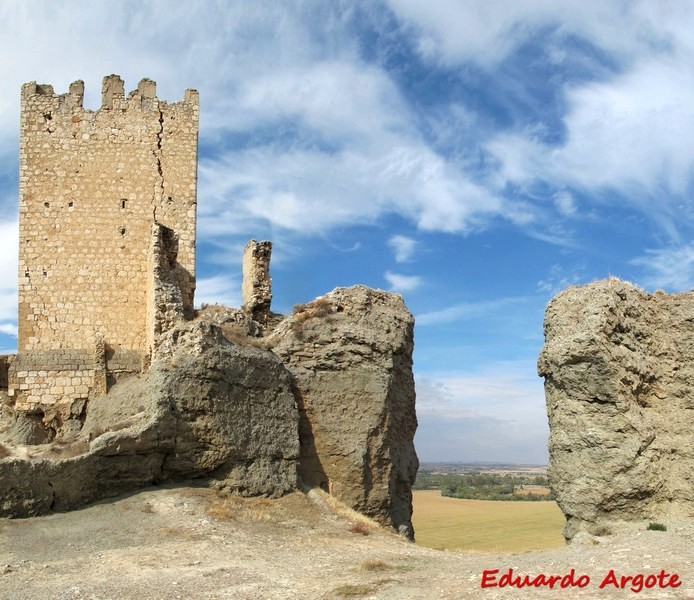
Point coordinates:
pixel 8 329
pixel 559 278
pixel 403 283
pixel 312 191
pixel 467 310
pixel 634 130
pixel 353 152
pixel 212 46
pixel 633 134
pixel 493 414
pixel 219 289
pixel 403 247
pixel 669 268
pixel 487 31
pixel 564 202
pixel 630 129
pixel 9 248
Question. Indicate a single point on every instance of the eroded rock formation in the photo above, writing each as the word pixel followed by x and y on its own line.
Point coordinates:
pixel 326 400
pixel 207 408
pixel 350 355
pixel 618 365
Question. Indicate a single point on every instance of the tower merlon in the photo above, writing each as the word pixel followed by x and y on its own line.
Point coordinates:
pixel 112 90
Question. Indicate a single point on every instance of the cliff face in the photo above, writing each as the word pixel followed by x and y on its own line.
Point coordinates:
pixel 332 405
pixel 618 365
pixel 350 356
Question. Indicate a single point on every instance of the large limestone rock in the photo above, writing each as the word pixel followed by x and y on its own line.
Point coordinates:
pixel 208 408
pixel 350 355
pixel 618 365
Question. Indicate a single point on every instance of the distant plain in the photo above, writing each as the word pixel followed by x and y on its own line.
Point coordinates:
pixel 485 526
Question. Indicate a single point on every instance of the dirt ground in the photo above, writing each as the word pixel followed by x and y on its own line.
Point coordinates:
pixel 190 543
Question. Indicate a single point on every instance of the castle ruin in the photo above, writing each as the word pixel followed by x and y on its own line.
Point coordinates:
pixel 106 284
pixel 107 217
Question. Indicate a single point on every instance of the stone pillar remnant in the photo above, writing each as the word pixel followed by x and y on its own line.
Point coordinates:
pixel 257 284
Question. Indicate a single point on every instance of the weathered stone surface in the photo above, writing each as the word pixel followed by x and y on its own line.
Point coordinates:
pixel 333 403
pixel 208 408
pixel 350 354
pixel 618 365
pixel 107 217
pixel 257 284
pixel 236 415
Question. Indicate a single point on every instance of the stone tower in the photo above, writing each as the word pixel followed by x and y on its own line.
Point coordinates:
pixel 101 195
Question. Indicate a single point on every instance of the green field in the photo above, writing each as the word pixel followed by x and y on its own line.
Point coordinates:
pixel 484 525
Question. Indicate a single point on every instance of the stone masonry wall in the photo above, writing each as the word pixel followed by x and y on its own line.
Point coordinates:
pixel 50 378
pixel 165 308
pixel 91 185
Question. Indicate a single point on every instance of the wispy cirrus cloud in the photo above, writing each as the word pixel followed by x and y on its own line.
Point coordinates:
pixel 559 278
pixel 467 310
pixel 219 289
pixel 670 268
pixel 623 129
pixel 499 411
pixel 488 32
pixel 8 329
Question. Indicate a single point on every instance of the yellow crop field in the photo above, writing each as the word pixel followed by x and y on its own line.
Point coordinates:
pixel 484 525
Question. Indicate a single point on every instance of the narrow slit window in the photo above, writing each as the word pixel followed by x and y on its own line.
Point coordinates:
pixel 123 203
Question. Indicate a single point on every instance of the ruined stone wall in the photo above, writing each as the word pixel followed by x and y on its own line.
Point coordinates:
pixel 257 284
pixel 165 307
pixel 350 356
pixel 91 185
pixel 55 377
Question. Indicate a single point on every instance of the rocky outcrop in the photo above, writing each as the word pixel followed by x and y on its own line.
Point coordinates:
pixel 208 408
pixel 618 365
pixel 350 356
pixel 326 401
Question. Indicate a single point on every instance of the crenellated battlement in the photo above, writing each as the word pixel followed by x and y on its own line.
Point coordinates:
pixel 113 96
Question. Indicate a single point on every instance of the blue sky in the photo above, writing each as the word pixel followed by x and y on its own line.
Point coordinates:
pixel 475 156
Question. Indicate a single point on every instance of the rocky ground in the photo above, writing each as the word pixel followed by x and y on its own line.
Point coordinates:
pixel 189 543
